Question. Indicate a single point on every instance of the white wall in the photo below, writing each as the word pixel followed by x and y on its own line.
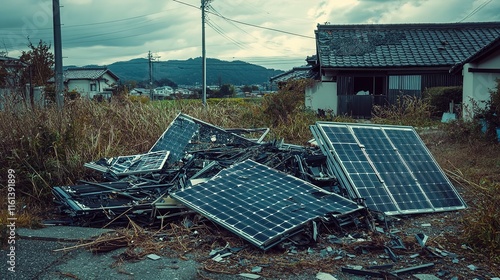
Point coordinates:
pixel 106 84
pixel 477 86
pixel 81 86
pixel 322 96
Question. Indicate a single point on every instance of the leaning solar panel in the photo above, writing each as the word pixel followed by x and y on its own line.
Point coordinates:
pixel 176 137
pixel 388 167
pixel 260 204
pixel 187 135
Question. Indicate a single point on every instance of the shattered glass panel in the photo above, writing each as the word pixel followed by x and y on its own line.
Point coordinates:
pixel 388 167
pixel 261 204
pixel 134 164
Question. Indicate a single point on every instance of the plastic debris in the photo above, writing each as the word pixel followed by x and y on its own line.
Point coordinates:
pixel 325 276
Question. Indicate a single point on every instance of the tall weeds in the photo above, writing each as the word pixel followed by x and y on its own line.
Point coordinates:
pixel 47 147
pixel 408 110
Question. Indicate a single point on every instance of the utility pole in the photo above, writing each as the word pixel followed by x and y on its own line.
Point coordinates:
pixel 204 4
pixel 151 59
pixel 56 15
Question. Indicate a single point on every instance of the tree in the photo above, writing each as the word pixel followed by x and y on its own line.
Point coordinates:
pixel 246 88
pixel 41 62
pixel 226 90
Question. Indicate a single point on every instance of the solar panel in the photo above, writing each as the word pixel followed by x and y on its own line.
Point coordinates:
pixel 134 164
pixel 387 166
pixel 186 134
pixel 260 204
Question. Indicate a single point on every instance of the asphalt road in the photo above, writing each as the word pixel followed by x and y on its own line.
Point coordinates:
pixel 35 258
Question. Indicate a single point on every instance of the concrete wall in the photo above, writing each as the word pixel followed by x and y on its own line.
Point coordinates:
pixel 322 96
pixel 477 86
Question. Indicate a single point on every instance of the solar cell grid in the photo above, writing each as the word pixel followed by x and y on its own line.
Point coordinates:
pixel 176 137
pixel 361 155
pixel 261 204
pixel 186 134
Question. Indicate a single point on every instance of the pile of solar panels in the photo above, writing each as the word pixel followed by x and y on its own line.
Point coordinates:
pixel 264 192
pixel 189 152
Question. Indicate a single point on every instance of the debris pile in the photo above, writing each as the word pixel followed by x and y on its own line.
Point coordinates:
pixel 265 192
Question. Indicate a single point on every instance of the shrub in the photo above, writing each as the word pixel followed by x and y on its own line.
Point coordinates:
pixel 408 110
pixel 461 131
pixel 439 98
pixel 482 225
pixel 280 107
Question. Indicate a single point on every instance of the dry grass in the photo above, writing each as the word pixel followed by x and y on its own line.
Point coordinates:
pixel 408 110
pixel 474 169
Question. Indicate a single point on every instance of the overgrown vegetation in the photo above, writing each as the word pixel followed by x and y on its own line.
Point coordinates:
pixel 439 98
pixel 408 110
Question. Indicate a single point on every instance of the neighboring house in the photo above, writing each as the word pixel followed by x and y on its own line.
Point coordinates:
pixel 373 64
pixel 480 72
pixel 11 88
pixel 303 72
pixel 90 81
pixel 163 92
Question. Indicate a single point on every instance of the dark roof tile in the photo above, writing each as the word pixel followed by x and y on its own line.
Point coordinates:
pixel 395 45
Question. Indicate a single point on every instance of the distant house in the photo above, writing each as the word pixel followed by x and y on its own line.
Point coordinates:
pixel 163 92
pixel 363 65
pixel 308 71
pixel 90 81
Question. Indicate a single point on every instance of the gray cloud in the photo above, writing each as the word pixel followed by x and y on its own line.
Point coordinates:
pixel 101 32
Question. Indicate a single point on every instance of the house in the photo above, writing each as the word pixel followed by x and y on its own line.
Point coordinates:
pixel 163 92
pixel 303 72
pixel 364 65
pixel 90 81
pixel 12 88
pixel 480 72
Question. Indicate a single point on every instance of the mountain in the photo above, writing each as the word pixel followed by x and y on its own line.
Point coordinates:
pixel 189 72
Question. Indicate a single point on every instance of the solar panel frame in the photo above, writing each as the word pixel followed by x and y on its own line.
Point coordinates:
pixel 260 204
pixel 395 184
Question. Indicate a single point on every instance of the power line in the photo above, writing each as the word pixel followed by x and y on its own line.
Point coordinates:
pixel 248 24
pixel 477 9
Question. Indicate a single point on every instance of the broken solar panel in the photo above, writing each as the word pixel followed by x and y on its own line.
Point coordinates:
pixel 388 167
pixel 260 204
pixel 133 164
pixel 114 197
pixel 187 135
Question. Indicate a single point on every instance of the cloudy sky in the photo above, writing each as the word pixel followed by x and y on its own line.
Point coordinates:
pixel 276 34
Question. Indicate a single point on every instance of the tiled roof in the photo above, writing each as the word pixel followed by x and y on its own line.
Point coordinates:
pixel 401 45
pixel 302 72
pixel 86 73
pixel 486 50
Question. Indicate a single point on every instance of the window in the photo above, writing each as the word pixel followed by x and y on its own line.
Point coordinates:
pixel 408 85
pixel 369 85
pixel 93 87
